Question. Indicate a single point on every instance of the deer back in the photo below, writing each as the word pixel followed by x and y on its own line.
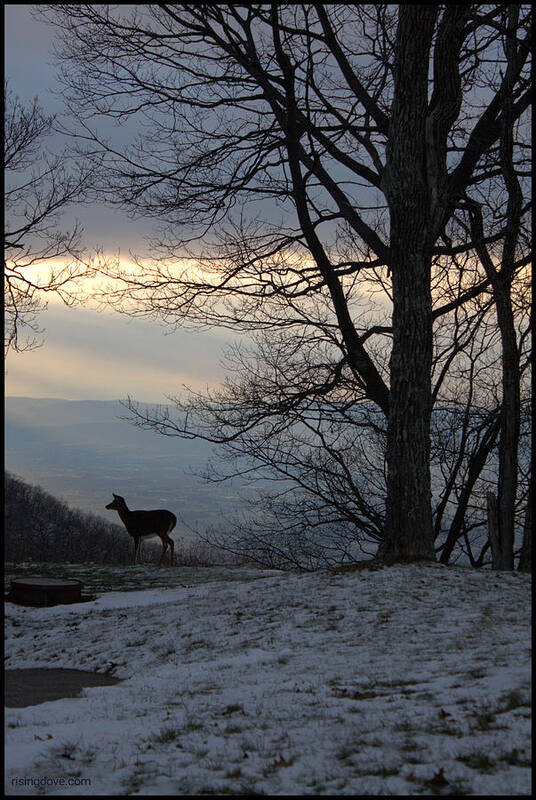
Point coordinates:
pixel 147 522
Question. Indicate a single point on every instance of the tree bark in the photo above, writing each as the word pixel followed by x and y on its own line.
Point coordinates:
pixel 525 558
pixel 493 531
pixel 509 437
pixel 510 411
pixel 408 528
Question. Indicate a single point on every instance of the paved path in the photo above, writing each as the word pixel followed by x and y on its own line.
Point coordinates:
pixel 28 687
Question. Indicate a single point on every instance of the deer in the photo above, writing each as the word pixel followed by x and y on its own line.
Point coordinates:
pixel 146 523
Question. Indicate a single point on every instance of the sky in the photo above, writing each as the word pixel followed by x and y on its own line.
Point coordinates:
pixel 90 355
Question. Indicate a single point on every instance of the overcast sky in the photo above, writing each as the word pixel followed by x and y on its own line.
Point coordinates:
pixel 90 355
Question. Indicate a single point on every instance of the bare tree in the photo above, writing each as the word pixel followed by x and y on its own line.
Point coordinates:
pixel 501 277
pixel 38 188
pixel 328 114
pixel 314 466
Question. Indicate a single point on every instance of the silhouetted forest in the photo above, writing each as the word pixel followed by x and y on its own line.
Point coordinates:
pixel 39 527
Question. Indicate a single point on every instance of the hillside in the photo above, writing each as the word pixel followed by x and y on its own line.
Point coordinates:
pixel 411 680
pixel 40 527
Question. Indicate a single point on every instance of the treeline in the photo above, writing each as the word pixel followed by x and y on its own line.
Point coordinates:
pixel 40 527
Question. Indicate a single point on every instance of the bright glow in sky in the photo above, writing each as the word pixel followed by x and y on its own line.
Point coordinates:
pixel 90 355
pixel 101 356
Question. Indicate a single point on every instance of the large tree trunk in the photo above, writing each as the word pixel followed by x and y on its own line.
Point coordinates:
pixel 408 527
pixel 509 438
pixel 493 530
pixel 510 410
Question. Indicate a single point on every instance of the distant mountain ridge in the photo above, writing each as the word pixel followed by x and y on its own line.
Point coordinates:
pixel 81 451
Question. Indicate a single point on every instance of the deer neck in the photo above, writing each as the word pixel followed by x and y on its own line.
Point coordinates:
pixel 124 514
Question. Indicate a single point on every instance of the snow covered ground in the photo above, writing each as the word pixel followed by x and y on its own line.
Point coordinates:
pixel 408 680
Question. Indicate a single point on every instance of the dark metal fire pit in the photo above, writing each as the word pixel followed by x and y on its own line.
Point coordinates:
pixel 37 591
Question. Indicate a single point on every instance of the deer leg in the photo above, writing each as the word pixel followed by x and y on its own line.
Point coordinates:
pixel 137 542
pixel 164 548
pixel 172 546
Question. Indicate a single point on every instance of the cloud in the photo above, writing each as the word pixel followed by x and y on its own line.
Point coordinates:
pixel 92 355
